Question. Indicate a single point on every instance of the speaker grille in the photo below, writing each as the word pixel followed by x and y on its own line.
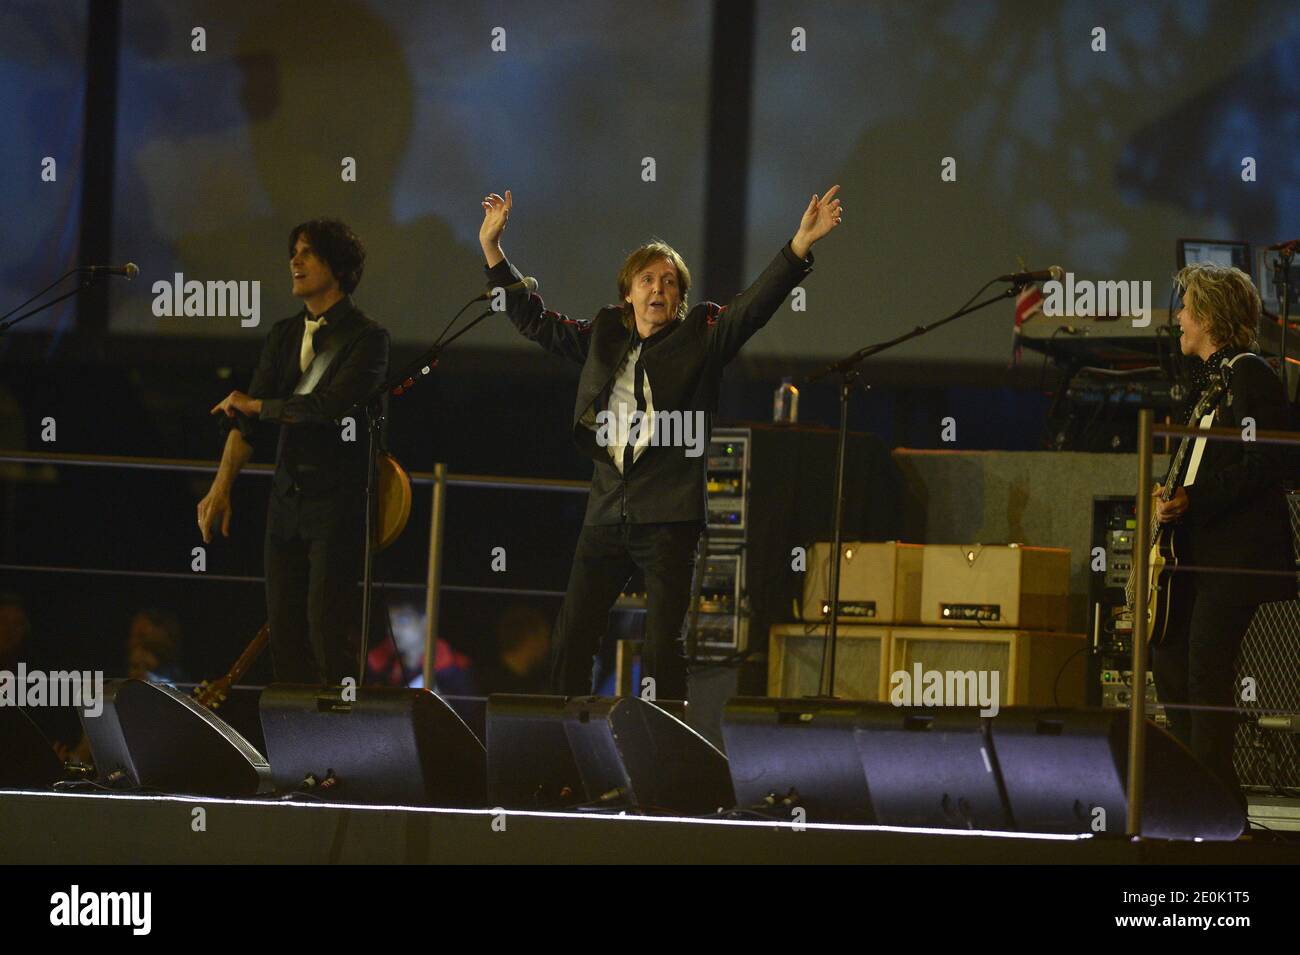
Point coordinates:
pixel 969 653
pixel 1270 654
pixel 857 665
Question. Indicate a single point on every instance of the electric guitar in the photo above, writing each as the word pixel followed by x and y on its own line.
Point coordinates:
pixel 1162 539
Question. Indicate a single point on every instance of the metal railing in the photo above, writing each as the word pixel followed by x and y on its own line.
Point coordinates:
pixel 439 479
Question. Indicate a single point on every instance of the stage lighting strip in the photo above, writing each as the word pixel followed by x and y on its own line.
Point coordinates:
pixel 627 817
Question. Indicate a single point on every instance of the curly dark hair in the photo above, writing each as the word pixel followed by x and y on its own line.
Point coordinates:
pixel 338 245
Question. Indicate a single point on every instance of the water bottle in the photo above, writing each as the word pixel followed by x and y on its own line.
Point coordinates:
pixel 785 403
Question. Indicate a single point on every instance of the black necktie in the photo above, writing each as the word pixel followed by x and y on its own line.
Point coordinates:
pixel 638 391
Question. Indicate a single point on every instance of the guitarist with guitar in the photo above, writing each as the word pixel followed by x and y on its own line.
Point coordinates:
pixel 1220 517
pixel 315 368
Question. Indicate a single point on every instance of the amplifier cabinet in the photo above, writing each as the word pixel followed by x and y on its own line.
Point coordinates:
pixel 1035 668
pixel 879 582
pixel 794 661
pixel 1007 586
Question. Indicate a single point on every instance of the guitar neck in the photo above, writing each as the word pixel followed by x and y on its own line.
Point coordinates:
pixel 249 656
pixel 1203 405
pixel 212 694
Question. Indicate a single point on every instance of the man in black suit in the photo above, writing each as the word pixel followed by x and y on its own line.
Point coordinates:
pixel 1231 515
pixel 314 369
pixel 650 375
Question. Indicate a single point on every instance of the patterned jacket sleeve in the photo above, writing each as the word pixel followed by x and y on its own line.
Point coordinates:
pixel 558 334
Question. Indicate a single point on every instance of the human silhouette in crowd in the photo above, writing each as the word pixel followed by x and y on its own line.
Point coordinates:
pixel 400 661
pixel 523 645
pixel 153 647
pixel 15 630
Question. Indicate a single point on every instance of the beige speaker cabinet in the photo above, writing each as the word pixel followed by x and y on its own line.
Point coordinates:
pixel 794 659
pixel 1006 585
pixel 879 582
pixel 1035 668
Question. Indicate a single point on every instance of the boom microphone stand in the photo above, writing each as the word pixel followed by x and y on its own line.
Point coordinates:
pixel 89 274
pixel 847 369
pixel 397 385
pixel 1286 252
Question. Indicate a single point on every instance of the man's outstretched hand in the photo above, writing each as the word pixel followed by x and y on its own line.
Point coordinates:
pixel 496 213
pixel 823 214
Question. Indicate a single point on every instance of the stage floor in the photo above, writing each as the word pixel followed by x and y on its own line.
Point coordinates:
pixel 77 829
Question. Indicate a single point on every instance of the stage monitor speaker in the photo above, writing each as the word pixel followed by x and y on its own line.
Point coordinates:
pixel 1027 769
pixel 239 709
pixel 621 751
pixel 1065 770
pixel 930 766
pixel 473 712
pixel 785 753
pixel 153 736
pixel 529 763
pixel 652 760
pixel 392 745
pixel 865 762
pixel 27 759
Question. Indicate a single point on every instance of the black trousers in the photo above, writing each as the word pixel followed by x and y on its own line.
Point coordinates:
pixel 313 557
pixel 605 559
pixel 1194 664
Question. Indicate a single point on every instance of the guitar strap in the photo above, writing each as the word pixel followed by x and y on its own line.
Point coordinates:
pixel 1207 420
pixel 1225 369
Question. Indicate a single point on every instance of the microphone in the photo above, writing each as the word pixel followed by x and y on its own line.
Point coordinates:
pixel 128 271
pixel 526 284
pixel 1054 274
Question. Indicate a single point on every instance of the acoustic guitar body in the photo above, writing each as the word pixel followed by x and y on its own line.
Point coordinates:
pixel 394 508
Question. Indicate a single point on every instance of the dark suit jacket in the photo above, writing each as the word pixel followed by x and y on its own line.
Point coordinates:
pixel 311 456
pixel 684 366
pixel 1237 513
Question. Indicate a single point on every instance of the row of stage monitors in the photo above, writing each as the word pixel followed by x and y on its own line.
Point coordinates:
pixel 798 761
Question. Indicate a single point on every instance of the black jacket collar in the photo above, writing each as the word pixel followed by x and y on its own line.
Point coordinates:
pixel 338 316
pixel 634 337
